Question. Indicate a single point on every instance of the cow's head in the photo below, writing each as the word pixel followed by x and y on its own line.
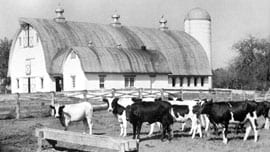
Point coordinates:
pixel 57 109
pixel 112 103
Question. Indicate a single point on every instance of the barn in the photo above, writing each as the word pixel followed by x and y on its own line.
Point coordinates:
pixel 61 55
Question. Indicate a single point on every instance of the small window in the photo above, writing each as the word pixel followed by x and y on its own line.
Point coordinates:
pixel 41 83
pixel 173 81
pixel 195 81
pixel 129 81
pixel 73 81
pixel 102 81
pixel 188 81
pixel 18 83
pixel 202 81
pixel 181 81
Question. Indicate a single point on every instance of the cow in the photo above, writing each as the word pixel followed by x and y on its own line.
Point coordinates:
pixel 118 107
pixel 224 113
pixel 183 110
pixel 74 112
pixel 263 110
pixel 150 112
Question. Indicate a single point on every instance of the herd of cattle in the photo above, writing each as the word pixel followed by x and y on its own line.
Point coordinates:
pixel 165 113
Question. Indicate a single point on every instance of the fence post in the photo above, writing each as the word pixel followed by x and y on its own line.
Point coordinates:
pixel 113 92
pixel 52 101
pixel 182 94
pixel 140 93
pixel 85 95
pixel 231 95
pixel 17 106
pixel 162 94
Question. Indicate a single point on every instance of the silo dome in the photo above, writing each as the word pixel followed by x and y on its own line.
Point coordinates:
pixel 198 14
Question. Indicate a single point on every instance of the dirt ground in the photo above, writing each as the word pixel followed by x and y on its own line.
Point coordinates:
pixel 18 135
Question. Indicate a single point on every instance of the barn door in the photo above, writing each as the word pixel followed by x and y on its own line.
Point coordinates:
pixel 29 84
pixel 58 84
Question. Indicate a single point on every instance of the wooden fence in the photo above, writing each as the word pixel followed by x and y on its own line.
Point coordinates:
pixel 37 104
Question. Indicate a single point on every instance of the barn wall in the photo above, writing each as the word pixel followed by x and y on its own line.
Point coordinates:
pixel 32 57
pixel 72 69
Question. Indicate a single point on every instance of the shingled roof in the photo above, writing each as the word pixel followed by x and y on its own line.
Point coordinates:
pixel 171 52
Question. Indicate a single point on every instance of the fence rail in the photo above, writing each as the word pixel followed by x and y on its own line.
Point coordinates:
pixel 37 104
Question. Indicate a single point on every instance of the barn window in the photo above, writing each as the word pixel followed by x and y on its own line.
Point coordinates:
pixel 41 83
pixel 173 81
pixel 129 81
pixel 195 81
pixel 181 81
pixel 101 81
pixel 73 81
pixel 202 81
pixel 188 81
pixel 18 83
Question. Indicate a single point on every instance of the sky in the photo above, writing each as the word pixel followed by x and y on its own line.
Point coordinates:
pixel 232 20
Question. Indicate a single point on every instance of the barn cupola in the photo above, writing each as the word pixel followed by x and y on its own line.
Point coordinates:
pixel 162 23
pixel 59 14
pixel 116 21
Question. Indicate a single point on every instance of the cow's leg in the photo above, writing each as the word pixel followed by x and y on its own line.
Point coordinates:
pixel 152 127
pixel 266 124
pixel 224 133
pixel 183 126
pixel 85 124
pixel 254 127
pixel 134 129
pixel 90 125
pixel 121 129
pixel 139 127
pixel 248 129
pixel 67 121
pixel 124 128
pixel 193 127
pixel 207 123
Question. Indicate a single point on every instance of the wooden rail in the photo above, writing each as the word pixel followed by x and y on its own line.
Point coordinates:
pixel 99 141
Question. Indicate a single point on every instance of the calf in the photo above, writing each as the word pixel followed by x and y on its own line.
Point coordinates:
pixel 231 112
pixel 74 112
pixel 150 112
pixel 118 107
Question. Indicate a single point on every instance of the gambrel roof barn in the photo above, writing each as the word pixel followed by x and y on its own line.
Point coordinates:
pixel 112 49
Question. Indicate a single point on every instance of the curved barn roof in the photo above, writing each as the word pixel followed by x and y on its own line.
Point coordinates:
pixel 168 51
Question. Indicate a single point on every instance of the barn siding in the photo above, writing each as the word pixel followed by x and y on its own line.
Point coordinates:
pixel 38 67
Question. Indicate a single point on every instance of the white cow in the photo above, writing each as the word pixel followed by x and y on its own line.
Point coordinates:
pixel 74 112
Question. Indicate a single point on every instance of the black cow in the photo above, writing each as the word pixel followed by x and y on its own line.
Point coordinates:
pixel 231 112
pixel 150 112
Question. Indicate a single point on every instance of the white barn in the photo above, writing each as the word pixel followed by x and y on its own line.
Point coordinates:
pixel 56 54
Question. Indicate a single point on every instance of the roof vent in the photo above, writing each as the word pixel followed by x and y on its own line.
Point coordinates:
pixel 118 46
pixel 115 18
pixel 163 23
pixel 143 47
pixel 59 14
pixel 90 44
